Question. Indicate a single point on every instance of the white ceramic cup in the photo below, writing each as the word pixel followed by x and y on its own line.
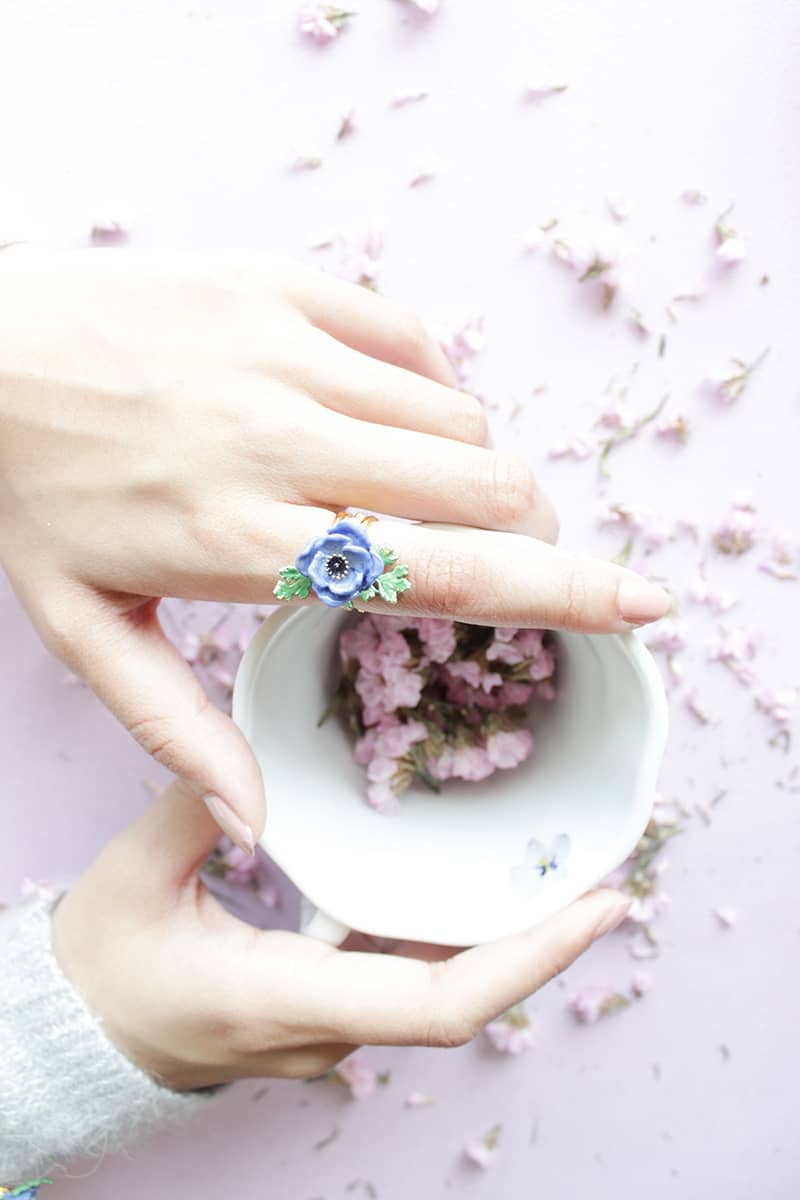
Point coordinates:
pixel 453 868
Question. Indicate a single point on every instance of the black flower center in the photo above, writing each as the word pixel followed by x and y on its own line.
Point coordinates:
pixel 337 566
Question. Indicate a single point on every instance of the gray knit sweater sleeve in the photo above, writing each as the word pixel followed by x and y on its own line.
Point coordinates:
pixel 65 1090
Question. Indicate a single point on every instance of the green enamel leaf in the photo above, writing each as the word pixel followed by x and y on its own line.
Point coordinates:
pixel 368 593
pixel 292 583
pixel 388 555
pixel 392 583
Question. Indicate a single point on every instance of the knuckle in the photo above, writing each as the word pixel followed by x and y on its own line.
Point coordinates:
pixel 470 423
pixel 163 735
pixel 412 335
pixel 573 594
pixel 60 628
pixel 507 490
pixel 447 583
pixel 447 1023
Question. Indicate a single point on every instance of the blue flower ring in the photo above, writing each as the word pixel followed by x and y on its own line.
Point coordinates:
pixel 343 565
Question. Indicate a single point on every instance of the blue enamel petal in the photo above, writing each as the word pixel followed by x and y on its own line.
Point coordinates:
pixel 330 543
pixel 354 531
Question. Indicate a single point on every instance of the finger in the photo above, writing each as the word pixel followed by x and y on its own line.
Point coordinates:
pixel 361 386
pixel 368 322
pixel 368 998
pixel 122 653
pixel 473 575
pixel 426 478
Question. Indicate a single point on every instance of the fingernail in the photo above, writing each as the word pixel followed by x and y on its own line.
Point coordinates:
pixel 639 601
pixel 614 917
pixel 229 822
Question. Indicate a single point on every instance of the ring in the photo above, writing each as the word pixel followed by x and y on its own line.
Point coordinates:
pixel 343 565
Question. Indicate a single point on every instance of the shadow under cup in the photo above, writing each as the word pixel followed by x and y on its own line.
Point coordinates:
pixel 441 871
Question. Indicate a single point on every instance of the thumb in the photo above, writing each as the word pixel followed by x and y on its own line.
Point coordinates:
pixel 118 646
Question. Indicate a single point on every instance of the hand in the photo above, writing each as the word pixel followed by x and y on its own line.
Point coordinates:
pixel 195 997
pixel 181 426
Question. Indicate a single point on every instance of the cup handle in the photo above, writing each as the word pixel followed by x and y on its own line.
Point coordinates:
pixel 317 924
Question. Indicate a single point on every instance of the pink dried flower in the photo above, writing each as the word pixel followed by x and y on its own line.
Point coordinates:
pixel 735 648
pixel 108 233
pixel 641 984
pixel 696 707
pixel 383 798
pixel 240 867
pixel 424 174
pixel 620 207
pixel 38 889
pixel 718 602
pixel 361 258
pixel 674 428
pixel 737 533
pixel 670 636
pixel 359 1075
pixel 509 749
pixel 484 1152
pixel 471 763
pixel 396 740
pixel 579 447
pixel 347 125
pixel 778 705
pixel 461 345
pixel 730 247
pixel 512 1033
pixel 595 1001
pixel 781 563
pixel 322 21
pixel 731 250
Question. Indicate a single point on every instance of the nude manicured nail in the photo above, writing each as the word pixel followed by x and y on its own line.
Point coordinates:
pixel 639 601
pixel 229 822
pixel 614 917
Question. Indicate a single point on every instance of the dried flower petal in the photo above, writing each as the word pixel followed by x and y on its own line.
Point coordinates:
pixel 778 705
pixel 322 21
pixel 726 916
pixel 595 1001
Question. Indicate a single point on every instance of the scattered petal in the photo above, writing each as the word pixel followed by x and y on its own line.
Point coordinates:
pixel 641 983
pixel 109 233
pixel 323 22
pixel 692 196
pixel 620 207
pixel 484 1152
pixel 400 99
pixel 537 90
pixel 727 917
pixel 595 1001
pixel 418 1100
pixel 777 705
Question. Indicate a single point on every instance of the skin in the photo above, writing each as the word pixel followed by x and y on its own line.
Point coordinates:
pixel 195 997
pixel 181 425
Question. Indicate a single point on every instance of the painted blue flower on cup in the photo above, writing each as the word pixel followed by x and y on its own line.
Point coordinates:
pixel 342 565
pixel 540 863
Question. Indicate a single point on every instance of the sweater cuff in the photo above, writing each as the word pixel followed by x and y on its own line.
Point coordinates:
pixel 65 1088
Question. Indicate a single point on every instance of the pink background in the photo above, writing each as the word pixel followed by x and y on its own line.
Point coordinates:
pixel 183 118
